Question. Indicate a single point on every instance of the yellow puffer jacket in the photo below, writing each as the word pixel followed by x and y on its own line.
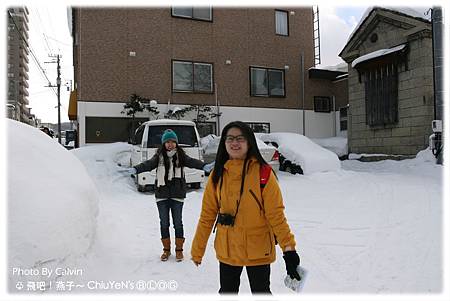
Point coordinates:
pixel 251 240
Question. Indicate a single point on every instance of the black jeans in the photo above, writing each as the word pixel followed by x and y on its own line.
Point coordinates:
pixel 164 221
pixel 258 276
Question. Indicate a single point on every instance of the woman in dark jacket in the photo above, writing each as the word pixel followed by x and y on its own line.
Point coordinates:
pixel 169 161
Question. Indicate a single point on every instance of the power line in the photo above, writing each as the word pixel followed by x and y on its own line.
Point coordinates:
pixel 51 24
pixel 65 44
pixel 41 25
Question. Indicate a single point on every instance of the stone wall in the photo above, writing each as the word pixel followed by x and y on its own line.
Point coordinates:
pixel 415 98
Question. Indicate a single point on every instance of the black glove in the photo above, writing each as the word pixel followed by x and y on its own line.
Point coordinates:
pixel 292 261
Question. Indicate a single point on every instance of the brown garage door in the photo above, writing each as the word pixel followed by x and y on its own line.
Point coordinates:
pixel 110 129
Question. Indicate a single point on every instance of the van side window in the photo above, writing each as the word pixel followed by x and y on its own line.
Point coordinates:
pixel 138 135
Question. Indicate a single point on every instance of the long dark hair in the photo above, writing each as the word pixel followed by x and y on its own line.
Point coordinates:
pixel 222 155
pixel 181 155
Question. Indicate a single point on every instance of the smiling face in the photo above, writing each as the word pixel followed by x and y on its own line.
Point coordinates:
pixel 170 145
pixel 236 144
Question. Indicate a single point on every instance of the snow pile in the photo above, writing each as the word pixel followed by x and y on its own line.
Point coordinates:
pixel 210 144
pixel 338 145
pixel 110 154
pixel 52 201
pixel 302 151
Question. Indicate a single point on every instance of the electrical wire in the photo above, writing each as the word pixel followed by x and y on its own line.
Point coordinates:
pixel 32 52
pixel 41 25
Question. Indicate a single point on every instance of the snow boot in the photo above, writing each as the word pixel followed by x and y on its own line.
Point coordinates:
pixel 179 248
pixel 166 249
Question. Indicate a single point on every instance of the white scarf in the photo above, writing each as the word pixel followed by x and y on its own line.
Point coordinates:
pixel 161 170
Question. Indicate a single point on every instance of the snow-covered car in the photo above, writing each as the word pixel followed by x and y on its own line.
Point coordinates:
pixel 147 139
pixel 298 154
pixel 211 142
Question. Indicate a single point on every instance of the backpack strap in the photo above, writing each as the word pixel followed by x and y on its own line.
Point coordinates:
pixel 264 174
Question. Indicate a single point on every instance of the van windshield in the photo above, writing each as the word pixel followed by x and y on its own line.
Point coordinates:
pixel 185 133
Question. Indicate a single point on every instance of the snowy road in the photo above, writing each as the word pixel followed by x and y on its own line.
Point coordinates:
pixel 368 228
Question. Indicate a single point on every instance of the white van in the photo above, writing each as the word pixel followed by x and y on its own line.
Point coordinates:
pixel 147 139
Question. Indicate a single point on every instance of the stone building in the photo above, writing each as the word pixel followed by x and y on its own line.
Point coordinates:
pixel 390 78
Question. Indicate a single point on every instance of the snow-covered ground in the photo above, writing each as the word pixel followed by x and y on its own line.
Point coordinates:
pixel 371 228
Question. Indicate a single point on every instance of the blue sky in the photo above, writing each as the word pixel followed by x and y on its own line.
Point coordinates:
pixel 349 12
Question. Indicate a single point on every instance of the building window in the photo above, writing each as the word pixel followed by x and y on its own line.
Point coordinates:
pixel 206 128
pixel 381 95
pixel 267 82
pixel 192 77
pixel 322 104
pixel 259 127
pixel 343 118
pixel 281 23
pixel 195 13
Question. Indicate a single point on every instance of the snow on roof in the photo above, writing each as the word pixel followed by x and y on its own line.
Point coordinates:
pixel 341 76
pixel 376 53
pixel 169 122
pixel 341 67
pixel 415 12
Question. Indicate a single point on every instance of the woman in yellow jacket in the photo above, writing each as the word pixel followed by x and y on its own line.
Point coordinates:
pixel 246 216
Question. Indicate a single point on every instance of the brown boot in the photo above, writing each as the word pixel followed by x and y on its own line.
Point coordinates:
pixel 166 249
pixel 179 249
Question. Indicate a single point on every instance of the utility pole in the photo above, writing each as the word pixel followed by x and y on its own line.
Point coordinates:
pixel 58 85
pixel 437 24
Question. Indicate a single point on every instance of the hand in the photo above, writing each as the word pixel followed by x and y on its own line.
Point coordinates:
pixel 131 171
pixel 292 260
pixel 196 262
pixel 208 167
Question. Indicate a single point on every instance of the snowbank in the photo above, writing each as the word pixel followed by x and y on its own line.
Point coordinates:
pixel 338 145
pixel 52 201
pixel 302 151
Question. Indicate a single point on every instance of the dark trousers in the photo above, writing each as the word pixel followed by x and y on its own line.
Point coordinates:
pixel 176 208
pixel 258 276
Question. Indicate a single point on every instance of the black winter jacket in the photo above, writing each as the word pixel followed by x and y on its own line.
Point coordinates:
pixel 176 188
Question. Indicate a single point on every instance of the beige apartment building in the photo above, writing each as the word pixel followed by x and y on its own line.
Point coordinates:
pixel 17 76
pixel 251 64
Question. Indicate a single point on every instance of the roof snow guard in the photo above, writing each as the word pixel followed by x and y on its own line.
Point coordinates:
pixel 379 54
